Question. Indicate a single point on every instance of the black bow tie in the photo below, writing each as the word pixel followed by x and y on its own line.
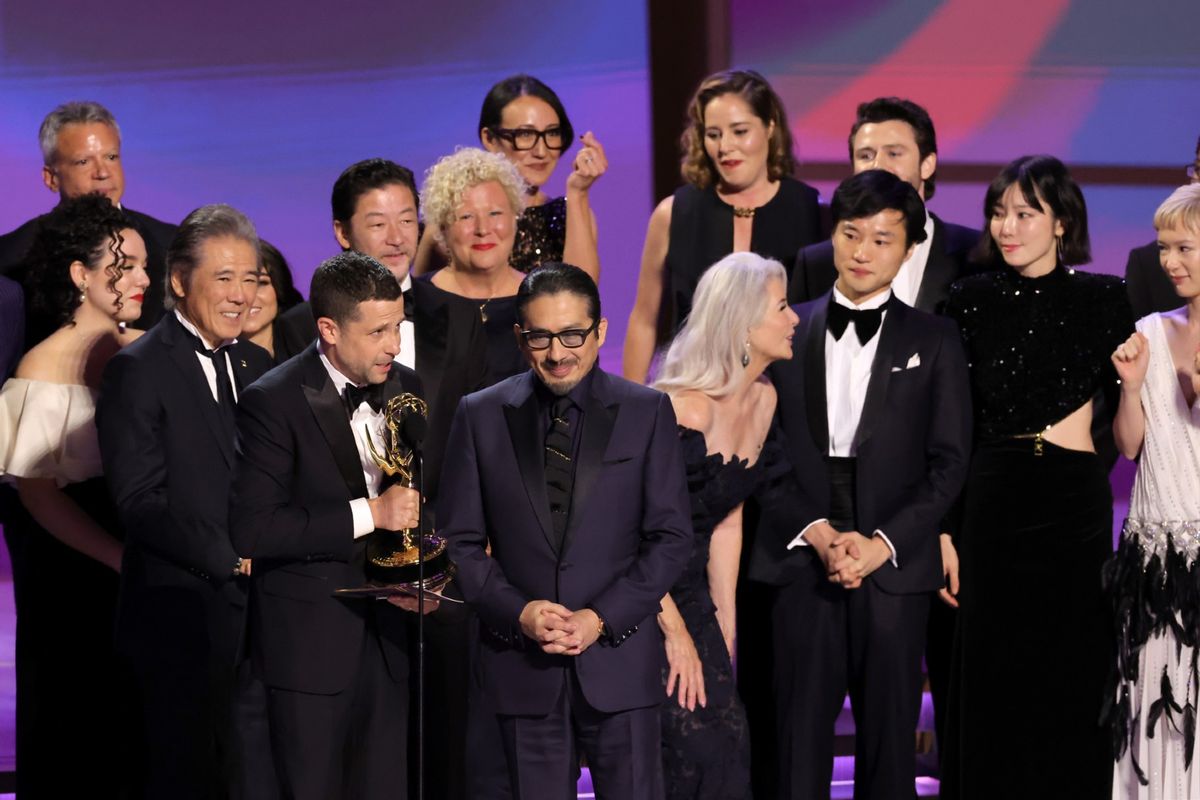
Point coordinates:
pixel 371 394
pixel 410 305
pixel 866 321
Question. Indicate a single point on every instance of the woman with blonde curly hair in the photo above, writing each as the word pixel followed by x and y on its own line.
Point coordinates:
pixel 738 196
pixel 713 373
pixel 472 200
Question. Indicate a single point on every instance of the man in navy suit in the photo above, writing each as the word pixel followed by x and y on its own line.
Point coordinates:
pixel 875 405
pixel 576 481
pixel 306 496
pixel 166 422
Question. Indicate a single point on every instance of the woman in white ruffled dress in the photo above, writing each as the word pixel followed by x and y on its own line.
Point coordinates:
pixel 1154 579
pixel 86 276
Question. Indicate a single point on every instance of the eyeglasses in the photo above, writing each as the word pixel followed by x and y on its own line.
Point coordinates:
pixel 1193 171
pixel 527 138
pixel 571 339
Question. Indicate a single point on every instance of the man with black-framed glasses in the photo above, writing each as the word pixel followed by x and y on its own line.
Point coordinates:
pixel 575 480
pixel 1149 288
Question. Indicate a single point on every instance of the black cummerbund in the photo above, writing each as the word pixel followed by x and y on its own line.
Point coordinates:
pixel 841 493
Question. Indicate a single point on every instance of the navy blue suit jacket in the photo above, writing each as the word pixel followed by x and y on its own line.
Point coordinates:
pixel 913 446
pixel 627 540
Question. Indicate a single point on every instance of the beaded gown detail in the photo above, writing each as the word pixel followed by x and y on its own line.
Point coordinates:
pixel 706 752
pixel 1152 583
pixel 541 235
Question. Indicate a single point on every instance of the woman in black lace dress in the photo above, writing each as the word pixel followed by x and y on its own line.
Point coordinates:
pixel 523 120
pixel 740 323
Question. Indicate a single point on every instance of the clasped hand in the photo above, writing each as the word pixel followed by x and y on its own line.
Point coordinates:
pixel 848 557
pixel 558 629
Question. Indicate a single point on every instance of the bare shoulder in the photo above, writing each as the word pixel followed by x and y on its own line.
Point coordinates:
pixel 693 410
pixel 46 361
pixel 661 216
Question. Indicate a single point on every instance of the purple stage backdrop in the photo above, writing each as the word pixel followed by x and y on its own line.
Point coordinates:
pixel 1097 82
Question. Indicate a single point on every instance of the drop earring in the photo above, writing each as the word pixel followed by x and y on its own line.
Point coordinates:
pixel 746 354
pixel 82 292
pixel 1060 251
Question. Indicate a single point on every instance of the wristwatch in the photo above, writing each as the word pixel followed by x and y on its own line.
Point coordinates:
pixel 237 567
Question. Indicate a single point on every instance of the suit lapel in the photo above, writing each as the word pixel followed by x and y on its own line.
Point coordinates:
pixel 940 272
pixel 183 353
pixel 599 417
pixel 330 413
pixel 814 376
pixel 524 418
pixel 890 335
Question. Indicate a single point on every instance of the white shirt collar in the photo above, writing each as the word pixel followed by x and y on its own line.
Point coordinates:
pixel 866 305
pixel 335 375
pixel 194 331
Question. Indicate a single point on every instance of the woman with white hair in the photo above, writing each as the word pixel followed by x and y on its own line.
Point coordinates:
pixel 740 323
pixel 472 200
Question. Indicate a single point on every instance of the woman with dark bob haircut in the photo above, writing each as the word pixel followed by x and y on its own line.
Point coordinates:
pixel 276 294
pixel 1032 651
pixel 85 281
pixel 738 196
pixel 523 120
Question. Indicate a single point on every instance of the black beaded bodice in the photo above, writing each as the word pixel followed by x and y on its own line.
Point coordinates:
pixel 1038 348
pixel 541 235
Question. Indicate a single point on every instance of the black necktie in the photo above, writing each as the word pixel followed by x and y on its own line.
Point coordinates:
pixel 372 394
pixel 560 468
pixel 410 305
pixel 220 361
pixel 866 321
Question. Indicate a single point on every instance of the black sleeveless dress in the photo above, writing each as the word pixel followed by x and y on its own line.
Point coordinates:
pixel 706 752
pixel 701 234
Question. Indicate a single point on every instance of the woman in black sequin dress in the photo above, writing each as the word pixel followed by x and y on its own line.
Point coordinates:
pixel 1034 643
pixel 713 373
pixel 523 120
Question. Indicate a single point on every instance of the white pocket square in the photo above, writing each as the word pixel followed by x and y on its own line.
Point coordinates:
pixel 914 361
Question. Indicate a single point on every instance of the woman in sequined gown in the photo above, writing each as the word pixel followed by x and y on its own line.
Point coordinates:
pixel 76 715
pixel 1152 579
pixel 1034 640
pixel 523 120
pixel 714 374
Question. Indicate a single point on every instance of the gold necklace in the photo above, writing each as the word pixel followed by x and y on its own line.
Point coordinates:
pixel 744 212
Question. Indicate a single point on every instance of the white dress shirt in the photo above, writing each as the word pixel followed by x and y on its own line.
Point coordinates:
pixel 847 375
pixel 408 343
pixel 907 284
pixel 364 418
pixel 207 364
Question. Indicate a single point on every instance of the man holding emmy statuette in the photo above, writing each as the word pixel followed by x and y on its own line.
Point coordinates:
pixel 323 502
pixel 576 480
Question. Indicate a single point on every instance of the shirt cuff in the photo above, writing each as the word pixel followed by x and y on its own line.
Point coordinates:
pixel 891 547
pixel 364 522
pixel 800 541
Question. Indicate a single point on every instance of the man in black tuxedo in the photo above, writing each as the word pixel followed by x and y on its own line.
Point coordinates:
pixel 81 153
pixel 1149 287
pixel 306 494
pixel 876 408
pixel 566 507
pixel 898 136
pixel 166 422
pixel 375 205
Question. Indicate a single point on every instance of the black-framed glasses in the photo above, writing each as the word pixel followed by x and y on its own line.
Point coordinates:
pixel 527 138
pixel 570 339
pixel 1193 171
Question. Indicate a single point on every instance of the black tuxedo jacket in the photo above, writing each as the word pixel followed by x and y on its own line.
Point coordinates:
pixel 913 446
pixel 297 471
pixel 627 540
pixel 168 459
pixel 1149 287
pixel 158 235
pixel 451 359
pixel 814 274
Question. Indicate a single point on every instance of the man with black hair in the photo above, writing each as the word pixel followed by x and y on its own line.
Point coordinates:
pixel 876 408
pixel 896 135
pixel 306 494
pixel 1149 287
pixel 566 508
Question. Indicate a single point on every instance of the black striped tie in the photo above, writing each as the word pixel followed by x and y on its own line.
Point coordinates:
pixel 560 469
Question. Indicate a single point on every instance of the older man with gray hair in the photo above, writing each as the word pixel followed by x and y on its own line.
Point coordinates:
pixel 166 422
pixel 81 154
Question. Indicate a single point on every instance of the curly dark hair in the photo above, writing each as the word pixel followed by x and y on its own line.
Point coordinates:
pixel 87 229
pixel 695 166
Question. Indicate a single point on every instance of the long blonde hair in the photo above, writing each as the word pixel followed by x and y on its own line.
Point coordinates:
pixel 731 298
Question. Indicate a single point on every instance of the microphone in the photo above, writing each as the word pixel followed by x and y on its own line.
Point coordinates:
pixel 413 430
